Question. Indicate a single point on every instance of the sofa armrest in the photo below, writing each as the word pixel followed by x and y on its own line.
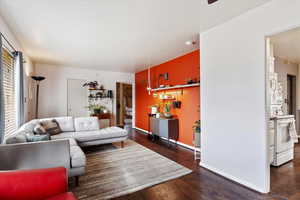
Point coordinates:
pixel 33 184
pixel 35 155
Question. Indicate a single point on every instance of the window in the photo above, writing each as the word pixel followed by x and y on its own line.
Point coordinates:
pixel 9 92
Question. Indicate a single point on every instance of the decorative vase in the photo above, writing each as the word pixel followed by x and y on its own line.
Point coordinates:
pixel 168 115
pixel 110 94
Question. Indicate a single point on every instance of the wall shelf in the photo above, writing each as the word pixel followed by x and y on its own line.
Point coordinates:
pixel 176 87
pixel 96 89
pixel 100 97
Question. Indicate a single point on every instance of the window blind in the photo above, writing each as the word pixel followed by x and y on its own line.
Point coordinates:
pixel 9 92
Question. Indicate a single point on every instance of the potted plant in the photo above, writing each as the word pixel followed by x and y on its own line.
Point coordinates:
pixel 197 126
pixel 167 110
pixel 92 85
pixel 97 109
pixel 197 133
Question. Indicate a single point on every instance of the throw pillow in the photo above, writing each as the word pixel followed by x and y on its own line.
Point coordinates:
pixel 37 138
pixel 29 126
pixel 19 138
pixel 51 127
pixel 39 130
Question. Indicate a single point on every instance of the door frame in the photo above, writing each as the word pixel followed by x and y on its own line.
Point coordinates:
pixel 68 92
pixel 292 102
pixel 117 99
pixel 267 98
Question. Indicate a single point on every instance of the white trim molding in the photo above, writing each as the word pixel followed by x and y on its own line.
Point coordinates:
pixel 232 178
pixel 173 141
pixel 143 130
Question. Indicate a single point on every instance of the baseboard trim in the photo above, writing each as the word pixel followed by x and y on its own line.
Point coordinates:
pixel 233 178
pixel 173 141
pixel 143 130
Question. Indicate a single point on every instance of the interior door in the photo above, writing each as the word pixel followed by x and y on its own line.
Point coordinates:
pixel 77 98
pixel 124 102
pixel 291 95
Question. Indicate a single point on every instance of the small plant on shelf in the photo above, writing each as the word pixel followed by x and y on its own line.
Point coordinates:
pixel 197 126
pixel 92 85
pixel 97 109
pixel 167 110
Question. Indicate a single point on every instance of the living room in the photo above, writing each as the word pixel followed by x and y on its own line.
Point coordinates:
pixel 138 100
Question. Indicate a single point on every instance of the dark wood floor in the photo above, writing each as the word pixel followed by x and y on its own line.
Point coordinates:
pixel 205 185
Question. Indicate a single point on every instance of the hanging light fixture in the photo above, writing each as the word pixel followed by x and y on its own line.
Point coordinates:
pixel 190 42
pixel 149 80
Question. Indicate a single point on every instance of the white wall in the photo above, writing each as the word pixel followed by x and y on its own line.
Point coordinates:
pixel 233 92
pixel 53 90
pixel 298 89
pixel 28 66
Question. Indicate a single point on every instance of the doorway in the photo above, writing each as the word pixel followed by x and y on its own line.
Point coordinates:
pixel 283 106
pixel 124 105
pixel 76 98
pixel 291 94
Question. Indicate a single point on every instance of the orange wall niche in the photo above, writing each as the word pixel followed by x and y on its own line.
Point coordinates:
pixel 180 70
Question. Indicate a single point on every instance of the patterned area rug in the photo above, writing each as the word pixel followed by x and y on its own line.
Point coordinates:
pixel 113 171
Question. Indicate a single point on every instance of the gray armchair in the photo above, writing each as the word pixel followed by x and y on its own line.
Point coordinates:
pixel 47 154
pixel 35 155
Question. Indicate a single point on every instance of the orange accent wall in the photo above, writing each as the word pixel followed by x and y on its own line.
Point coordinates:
pixel 179 69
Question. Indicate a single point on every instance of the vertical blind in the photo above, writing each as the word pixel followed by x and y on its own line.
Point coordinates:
pixel 8 71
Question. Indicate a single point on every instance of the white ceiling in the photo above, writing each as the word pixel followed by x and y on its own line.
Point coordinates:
pixel 287 45
pixel 115 35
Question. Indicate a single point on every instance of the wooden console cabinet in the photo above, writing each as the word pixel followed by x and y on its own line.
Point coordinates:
pixel 105 119
pixel 166 128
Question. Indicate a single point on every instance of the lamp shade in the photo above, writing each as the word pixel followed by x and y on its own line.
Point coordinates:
pixel 38 78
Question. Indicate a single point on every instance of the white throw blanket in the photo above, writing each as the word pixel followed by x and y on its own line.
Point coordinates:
pixel 293 132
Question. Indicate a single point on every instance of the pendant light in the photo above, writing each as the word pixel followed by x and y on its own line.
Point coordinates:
pixel 149 78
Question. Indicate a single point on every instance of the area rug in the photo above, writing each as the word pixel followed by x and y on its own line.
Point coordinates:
pixel 113 171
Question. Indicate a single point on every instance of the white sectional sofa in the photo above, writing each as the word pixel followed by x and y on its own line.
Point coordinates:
pixel 62 150
pixel 86 131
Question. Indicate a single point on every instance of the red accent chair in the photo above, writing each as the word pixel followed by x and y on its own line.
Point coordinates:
pixel 37 184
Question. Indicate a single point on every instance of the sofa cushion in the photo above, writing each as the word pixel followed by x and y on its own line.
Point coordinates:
pixel 29 126
pixel 66 124
pixel 105 133
pixel 51 127
pixel 39 130
pixel 86 124
pixel 72 142
pixel 77 157
pixel 64 135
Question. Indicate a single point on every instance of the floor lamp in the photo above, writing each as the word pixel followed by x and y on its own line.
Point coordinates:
pixel 38 79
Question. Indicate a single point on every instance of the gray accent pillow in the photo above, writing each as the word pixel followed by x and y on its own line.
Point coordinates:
pixel 19 138
pixel 37 138
pixel 51 127
pixel 39 130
